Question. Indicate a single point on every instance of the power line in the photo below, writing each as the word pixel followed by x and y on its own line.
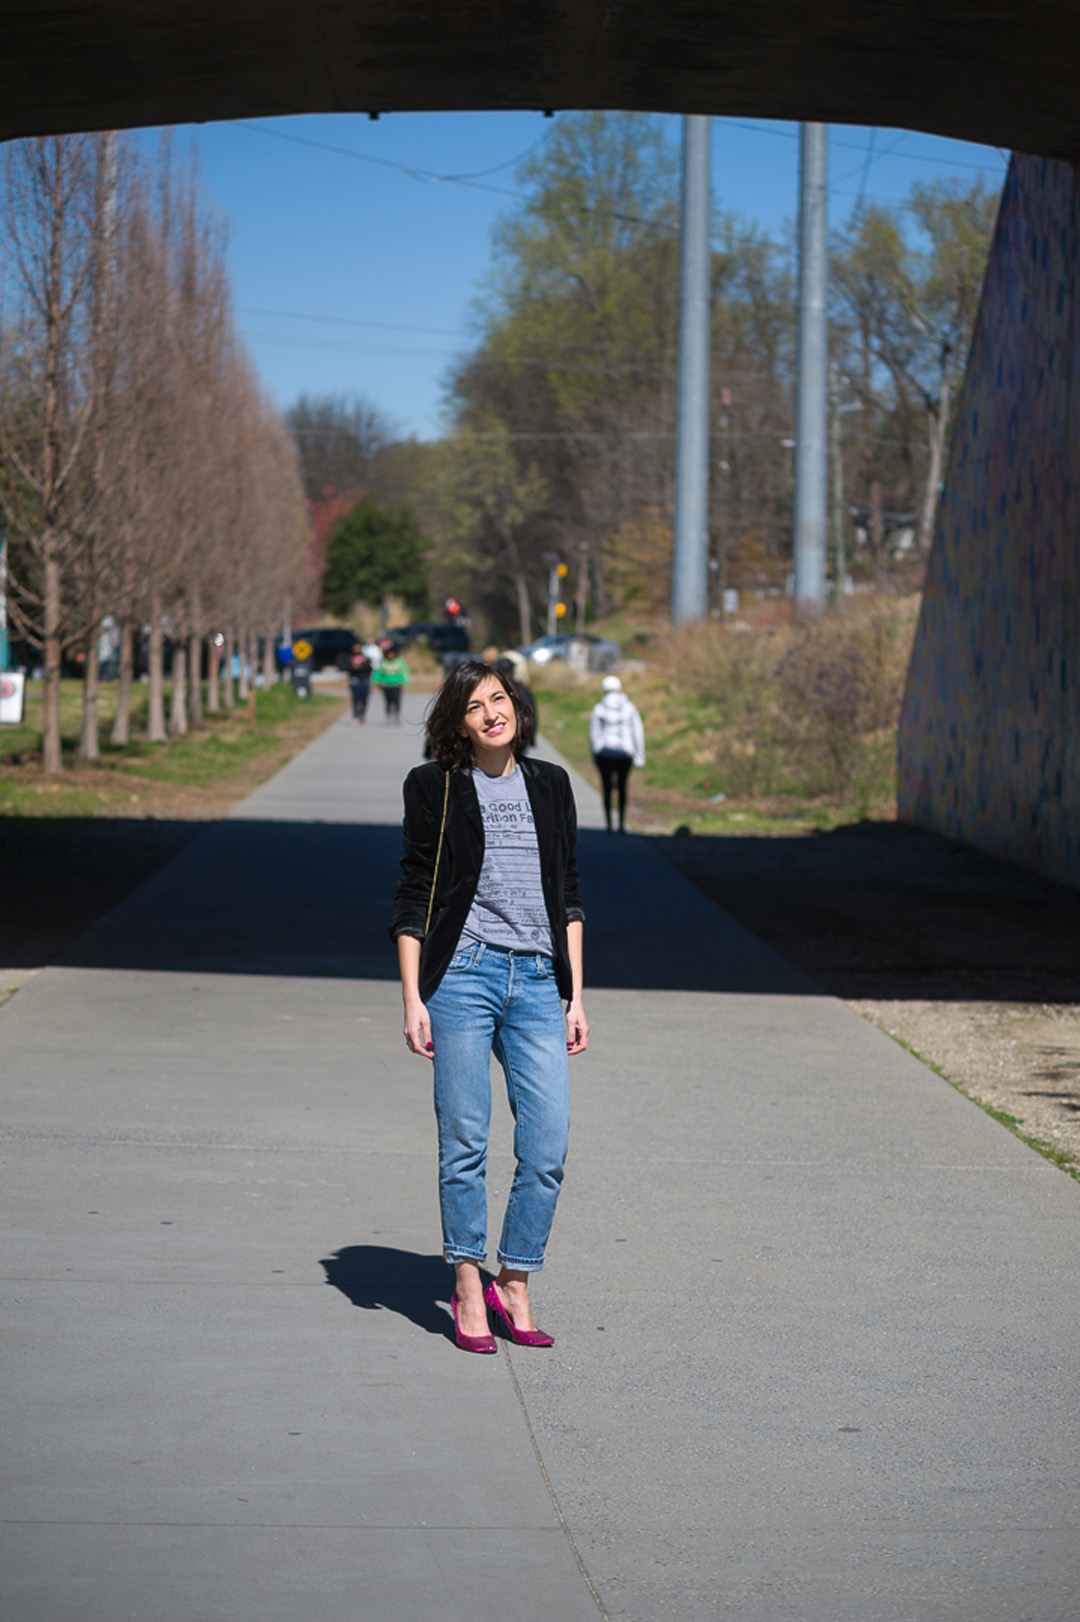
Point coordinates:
pixel 551 363
pixel 428 176
pixel 350 321
pixel 511 163
pixel 431 177
pixel 865 174
pixel 853 146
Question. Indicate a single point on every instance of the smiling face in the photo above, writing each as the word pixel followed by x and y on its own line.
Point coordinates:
pixel 490 723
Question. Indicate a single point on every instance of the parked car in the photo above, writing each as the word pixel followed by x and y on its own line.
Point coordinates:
pixel 603 653
pixel 442 638
pixel 330 645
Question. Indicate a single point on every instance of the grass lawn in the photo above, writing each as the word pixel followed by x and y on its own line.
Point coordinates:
pixel 682 773
pixel 199 775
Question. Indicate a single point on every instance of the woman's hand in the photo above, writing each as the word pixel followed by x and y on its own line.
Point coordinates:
pixel 417 1019
pixel 418 1028
pixel 577 1027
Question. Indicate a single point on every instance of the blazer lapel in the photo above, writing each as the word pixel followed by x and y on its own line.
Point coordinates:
pixel 538 788
pixel 464 790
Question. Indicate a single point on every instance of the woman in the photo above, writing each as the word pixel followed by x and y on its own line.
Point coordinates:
pixel 617 741
pixel 489 925
pixel 359 682
pixel 393 677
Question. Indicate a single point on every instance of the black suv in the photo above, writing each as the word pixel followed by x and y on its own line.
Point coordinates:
pixel 330 645
pixel 440 637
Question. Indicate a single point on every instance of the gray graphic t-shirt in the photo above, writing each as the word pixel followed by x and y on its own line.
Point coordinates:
pixel 509 909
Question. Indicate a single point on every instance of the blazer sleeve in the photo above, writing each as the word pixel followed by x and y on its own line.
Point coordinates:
pixel 571 882
pixel 420 837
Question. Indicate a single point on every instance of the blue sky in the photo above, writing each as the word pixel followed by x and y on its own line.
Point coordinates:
pixel 355 270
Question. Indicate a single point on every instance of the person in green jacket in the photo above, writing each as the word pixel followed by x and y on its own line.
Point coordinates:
pixel 393 677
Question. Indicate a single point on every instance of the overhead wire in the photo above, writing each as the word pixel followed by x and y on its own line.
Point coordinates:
pixel 476 181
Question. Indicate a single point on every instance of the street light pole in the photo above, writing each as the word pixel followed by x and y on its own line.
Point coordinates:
pixel 812 376
pixel 690 569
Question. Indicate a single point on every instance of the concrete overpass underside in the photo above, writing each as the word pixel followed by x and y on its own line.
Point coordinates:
pixel 988 70
pixel 990 736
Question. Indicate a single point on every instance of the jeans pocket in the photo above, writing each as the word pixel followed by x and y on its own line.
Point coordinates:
pixel 462 960
pixel 545 968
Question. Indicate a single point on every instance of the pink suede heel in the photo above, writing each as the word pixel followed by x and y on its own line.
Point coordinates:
pixel 470 1343
pixel 520 1337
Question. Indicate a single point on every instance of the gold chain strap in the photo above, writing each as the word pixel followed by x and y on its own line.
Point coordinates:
pixel 438 853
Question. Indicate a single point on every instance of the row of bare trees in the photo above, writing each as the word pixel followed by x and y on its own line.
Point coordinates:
pixel 143 476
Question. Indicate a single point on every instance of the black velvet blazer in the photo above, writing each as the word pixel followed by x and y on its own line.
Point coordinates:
pixel 555 815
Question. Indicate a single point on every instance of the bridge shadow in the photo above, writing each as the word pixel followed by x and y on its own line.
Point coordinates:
pixel 314 899
pixel 379 1278
pixel 877 909
pixel 871 910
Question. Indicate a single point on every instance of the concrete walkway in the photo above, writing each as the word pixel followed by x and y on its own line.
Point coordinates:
pixel 817 1354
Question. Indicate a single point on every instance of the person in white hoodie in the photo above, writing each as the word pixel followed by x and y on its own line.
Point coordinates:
pixel 617 741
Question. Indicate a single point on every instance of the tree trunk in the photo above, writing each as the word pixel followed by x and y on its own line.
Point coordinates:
pixel 52 751
pixel 121 729
pixel 89 746
pixel 242 684
pixel 877 535
pixel 228 688
pixel 939 428
pixel 269 663
pixel 601 605
pixel 155 707
pixel 213 668
pixel 524 607
pixel 582 586
pixel 178 720
pixel 195 705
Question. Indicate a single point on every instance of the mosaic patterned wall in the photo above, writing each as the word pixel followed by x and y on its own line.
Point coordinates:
pixel 990 732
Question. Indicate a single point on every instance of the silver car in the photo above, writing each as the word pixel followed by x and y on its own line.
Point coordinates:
pixel 603 654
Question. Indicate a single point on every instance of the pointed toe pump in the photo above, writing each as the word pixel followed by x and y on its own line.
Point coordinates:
pixel 470 1343
pixel 520 1337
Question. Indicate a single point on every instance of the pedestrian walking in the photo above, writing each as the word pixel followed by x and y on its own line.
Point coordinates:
pixel 393 677
pixel 489 923
pixel 617 741
pixel 359 682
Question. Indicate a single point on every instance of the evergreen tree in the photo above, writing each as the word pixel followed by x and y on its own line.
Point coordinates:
pixel 375 552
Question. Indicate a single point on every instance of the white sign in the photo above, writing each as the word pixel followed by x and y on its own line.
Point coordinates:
pixel 12 685
pixel 731 600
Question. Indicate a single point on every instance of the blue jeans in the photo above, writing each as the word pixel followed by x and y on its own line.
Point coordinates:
pixel 490 1000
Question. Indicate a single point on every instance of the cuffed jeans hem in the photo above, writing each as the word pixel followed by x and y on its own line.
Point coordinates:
pixel 516 1265
pixel 455 1256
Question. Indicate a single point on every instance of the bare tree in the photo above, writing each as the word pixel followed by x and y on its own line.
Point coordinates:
pixel 48 389
pixel 337 437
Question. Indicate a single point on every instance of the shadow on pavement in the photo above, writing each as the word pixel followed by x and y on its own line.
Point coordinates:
pixel 61 874
pixel 869 910
pixel 315 899
pixel 883 910
pixel 382 1279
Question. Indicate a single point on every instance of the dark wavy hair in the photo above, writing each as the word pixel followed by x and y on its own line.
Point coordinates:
pixel 446 717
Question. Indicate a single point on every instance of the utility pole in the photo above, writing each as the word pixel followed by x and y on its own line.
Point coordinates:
pixel 839 561
pixel 836 429
pixel 812 375
pixel 690 563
